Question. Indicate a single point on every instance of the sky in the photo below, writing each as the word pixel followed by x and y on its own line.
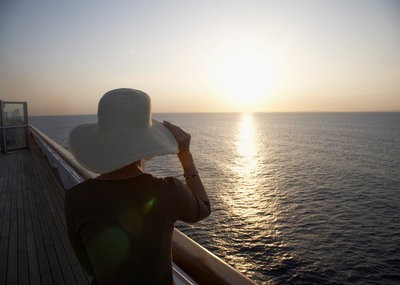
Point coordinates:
pixel 202 56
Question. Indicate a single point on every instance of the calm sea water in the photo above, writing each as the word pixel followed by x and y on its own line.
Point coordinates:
pixel 306 198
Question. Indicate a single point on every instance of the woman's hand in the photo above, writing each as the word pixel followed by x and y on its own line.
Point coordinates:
pixel 182 137
pixel 193 180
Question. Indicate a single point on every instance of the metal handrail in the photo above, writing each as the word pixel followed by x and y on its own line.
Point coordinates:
pixel 196 261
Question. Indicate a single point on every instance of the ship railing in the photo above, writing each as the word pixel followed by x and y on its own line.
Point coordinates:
pixel 193 264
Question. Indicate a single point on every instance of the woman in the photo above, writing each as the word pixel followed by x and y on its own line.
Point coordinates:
pixel 120 223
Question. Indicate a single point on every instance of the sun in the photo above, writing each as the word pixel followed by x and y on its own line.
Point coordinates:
pixel 246 79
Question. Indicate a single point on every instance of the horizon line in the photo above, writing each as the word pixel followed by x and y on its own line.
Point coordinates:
pixel 236 112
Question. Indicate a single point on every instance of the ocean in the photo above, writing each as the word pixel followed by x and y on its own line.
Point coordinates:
pixel 297 198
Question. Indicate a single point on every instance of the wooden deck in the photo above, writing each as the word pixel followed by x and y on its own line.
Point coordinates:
pixel 34 248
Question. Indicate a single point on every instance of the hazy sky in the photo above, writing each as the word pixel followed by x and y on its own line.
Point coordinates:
pixel 202 56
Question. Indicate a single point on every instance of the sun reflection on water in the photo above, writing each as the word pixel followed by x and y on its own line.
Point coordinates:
pixel 252 199
pixel 244 198
pixel 246 148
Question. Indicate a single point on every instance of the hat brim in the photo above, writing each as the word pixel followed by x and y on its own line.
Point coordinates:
pixel 104 151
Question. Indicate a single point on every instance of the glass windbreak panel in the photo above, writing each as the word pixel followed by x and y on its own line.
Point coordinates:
pixel 14 114
pixel 16 138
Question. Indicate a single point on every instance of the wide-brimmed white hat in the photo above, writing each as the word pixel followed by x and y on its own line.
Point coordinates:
pixel 125 132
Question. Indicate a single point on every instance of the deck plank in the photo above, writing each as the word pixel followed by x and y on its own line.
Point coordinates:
pixel 23 277
pixel 34 247
pixel 38 240
pixel 12 264
pixel 3 259
pixel 33 265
